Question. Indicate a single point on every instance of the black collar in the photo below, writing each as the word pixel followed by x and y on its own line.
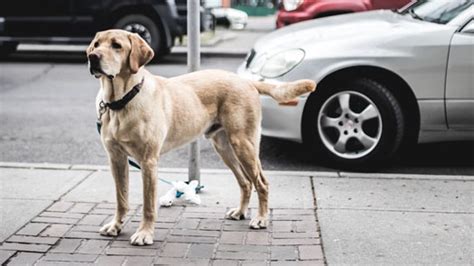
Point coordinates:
pixel 120 104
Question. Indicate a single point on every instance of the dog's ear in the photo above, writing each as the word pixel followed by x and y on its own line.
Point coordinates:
pixel 140 53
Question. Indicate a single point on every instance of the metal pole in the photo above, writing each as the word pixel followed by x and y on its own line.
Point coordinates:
pixel 194 61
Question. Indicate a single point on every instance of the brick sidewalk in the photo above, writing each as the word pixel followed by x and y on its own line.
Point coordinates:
pixel 67 234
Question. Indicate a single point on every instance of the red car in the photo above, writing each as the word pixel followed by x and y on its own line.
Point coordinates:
pixel 292 11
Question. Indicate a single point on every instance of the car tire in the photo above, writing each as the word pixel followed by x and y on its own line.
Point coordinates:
pixel 7 48
pixel 358 125
pixel 147 29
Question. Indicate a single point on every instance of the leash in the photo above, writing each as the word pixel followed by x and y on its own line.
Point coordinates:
pixel 120 104
pixel 137 166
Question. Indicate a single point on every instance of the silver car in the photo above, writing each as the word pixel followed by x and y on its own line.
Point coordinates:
pixel 386 80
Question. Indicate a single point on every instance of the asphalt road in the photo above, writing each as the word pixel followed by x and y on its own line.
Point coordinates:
pixel 47 115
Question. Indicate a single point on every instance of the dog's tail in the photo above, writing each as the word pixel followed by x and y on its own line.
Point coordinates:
pixel 285 92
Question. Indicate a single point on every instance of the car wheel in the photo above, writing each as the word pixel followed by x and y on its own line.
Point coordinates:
pixel 146 28
pixel 6 48
pixel 355 126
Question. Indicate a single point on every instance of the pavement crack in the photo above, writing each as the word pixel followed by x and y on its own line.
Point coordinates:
pixel 76 185
pixel 318 226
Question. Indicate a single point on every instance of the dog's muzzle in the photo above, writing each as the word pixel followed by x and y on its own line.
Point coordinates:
pixel 94 61
pixel 94 65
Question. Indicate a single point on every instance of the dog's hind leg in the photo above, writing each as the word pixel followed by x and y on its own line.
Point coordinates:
pixel 224 149
pixel 119 169
pixel 246 152
pixel 261 220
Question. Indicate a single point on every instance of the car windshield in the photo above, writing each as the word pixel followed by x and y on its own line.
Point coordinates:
pixel 437 11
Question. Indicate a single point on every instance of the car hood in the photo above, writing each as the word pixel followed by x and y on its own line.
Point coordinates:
pixel 365 29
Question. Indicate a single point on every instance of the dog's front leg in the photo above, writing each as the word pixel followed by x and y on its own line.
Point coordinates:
pixel 119 169
pixel 145 232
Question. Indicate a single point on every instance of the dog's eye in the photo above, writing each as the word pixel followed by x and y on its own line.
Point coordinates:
pixel 96 44
pixel 116 45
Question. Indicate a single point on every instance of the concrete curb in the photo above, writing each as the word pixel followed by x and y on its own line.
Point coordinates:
pixel 338 174
pixel 89 167
pixel 404 176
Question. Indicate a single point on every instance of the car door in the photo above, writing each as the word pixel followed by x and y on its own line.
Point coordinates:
pixel 460 80
pixel 34 18
pixel 88 17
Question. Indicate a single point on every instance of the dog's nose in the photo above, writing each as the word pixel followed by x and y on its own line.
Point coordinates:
pixel 94 58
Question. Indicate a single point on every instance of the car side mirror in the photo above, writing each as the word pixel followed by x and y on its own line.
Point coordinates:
pixel 468 28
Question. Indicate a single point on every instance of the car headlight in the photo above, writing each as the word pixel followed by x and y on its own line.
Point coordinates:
pixel 278 64
pixel 291 5
pixel 257 64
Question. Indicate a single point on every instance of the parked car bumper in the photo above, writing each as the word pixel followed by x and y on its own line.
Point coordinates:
pixel 279 121
pixel 282 121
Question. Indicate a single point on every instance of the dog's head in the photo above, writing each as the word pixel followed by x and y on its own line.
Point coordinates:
pixel 115 52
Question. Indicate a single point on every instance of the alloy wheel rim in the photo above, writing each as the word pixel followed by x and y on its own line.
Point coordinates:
pixel 349 124
pixel 139 29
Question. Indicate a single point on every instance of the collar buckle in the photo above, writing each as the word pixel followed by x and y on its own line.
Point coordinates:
pixel 120 104
pixel 102 109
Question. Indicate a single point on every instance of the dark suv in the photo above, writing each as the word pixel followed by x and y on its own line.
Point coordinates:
pixel 159 22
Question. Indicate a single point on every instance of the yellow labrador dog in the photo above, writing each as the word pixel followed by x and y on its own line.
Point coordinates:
pixel 144 116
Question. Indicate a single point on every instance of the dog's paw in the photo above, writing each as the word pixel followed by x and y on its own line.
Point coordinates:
pixel 259 222
pixel 111 229
pixel 142 237
pixel 235 214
